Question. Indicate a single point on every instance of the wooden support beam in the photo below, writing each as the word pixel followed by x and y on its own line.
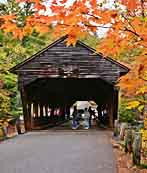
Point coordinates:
pixel 29 116
pixel 52 113
pixel 46 110
pixel 26 115
pixel 113 107
pixel 115 103
pixel 41 110
pixel 110 113
pixel 68 112
pixel 36 109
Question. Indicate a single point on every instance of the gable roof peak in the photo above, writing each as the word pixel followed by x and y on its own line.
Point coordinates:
pixel 63 38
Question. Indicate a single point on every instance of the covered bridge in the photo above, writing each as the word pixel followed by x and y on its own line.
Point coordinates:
pixel 58 75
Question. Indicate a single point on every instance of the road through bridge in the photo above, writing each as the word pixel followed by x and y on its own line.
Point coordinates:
pixel 58 152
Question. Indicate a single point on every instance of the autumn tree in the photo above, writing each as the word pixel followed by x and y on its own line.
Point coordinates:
pixel 13 51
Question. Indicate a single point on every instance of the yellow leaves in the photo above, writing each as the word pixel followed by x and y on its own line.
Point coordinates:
pixel 144 134
pixel 41 28
pixel 27 30
pixel 133 104
pixel 142 90
pixel 140 108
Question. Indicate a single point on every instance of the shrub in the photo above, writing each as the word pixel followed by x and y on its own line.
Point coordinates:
pixel 126 115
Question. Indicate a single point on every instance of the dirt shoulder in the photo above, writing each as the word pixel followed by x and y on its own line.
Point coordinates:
pixel 124 161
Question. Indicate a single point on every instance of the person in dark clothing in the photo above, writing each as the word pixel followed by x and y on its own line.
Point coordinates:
pixel 91 113
pixel 74 114
pixel 18 125
pixel 100 117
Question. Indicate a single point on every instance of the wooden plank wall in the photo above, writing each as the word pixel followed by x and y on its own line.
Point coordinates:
pixel 62 61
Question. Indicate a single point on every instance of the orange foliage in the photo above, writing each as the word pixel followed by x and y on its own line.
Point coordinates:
pixel 135 82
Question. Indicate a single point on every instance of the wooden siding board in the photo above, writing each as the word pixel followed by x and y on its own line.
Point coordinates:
pixel 88 64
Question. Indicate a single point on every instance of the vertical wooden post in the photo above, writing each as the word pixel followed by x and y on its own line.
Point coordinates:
pixel 36 109
pixel 68 112
pixel 115 104
pixel 27 118
pixel 41 110
pixel 111 109
pixel 110 113
pixel 52 113
pixel 46 110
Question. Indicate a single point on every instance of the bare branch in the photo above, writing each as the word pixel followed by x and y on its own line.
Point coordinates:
pixel 88 25
pixel 88 14
pixel 129 22
pixel 133 32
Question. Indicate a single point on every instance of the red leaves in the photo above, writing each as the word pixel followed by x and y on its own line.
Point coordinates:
pixel 39 7
pixel 114 15
pixel 93 3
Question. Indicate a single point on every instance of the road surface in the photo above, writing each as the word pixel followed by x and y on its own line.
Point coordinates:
pixel 58 152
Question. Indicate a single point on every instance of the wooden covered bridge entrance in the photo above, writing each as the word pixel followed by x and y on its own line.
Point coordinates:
pixel 58 75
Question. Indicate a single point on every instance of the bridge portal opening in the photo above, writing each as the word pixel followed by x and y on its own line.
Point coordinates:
pixel 49 101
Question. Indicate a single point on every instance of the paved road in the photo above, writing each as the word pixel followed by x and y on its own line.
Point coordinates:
pixel 58 152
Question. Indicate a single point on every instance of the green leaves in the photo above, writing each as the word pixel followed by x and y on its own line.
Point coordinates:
pixel 11 53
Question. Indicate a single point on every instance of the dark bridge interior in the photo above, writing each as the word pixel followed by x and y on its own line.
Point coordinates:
pixel 62 92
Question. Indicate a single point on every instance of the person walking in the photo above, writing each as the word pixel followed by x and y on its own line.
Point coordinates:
pixel 86 118
pixel 74 121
